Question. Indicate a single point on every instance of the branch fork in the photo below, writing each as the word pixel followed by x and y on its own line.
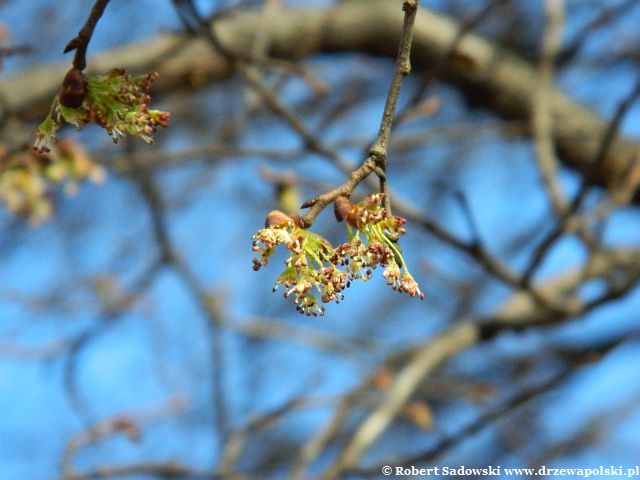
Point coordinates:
pixel 377 160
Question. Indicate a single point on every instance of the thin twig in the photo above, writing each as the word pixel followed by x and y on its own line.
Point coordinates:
pixel 542 107
pixel 571 220
pixel 313 448
pixel 10 50
pixel 580 39
pixel 377 159
pixel 235 447
pixel 80 42
pixel 167 470
pixel 129 424
pixel 378 151
pixel 434 72
pixel 243 64
pixel 207 303
pixel 408 379
pixel 512 402
pixel 109 315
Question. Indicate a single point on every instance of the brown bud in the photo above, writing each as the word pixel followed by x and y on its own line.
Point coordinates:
pixel 342 207
pixel 74 89
pixel 420 414
pixel 275 218
pixel 297 219
pixel 309 203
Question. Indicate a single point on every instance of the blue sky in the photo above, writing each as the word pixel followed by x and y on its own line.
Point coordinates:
pixel 158 354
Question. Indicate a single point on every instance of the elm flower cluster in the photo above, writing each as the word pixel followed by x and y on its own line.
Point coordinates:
pixel 28 179
pixel 309 269
pixel 373 241
pixel 314 266
pixel 116 101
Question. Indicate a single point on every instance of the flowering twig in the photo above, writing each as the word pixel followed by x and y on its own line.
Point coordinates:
pixel 115 101
pixel 315 266
pixel 28 179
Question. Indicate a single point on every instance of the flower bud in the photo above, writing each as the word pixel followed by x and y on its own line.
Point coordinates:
pixel 74 89
pixel 297 219
pixel 342 207
pixel 276 217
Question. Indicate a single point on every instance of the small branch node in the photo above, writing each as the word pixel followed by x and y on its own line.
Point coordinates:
pixel 81 41
pixel 409 5
pixel 377 152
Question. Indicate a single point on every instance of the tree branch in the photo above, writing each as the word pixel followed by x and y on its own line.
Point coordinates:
pixel 80 42
pixel 490 77
pixel 378 150
pixel 426 360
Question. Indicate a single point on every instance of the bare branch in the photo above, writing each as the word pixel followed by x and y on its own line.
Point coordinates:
pixel 80 43
pixel 541 117
pixel 405 383
pixel 490 77
pixel 378 150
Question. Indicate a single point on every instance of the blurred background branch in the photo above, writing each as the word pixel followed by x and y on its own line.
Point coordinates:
pixel 136 342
